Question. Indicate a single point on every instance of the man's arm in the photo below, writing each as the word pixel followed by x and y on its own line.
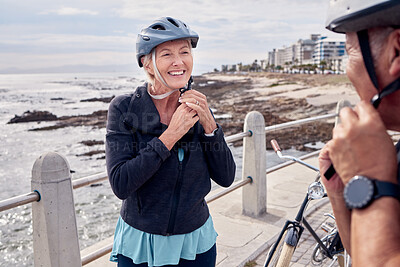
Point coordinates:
pixel 335 189
pixel 361 146
pixel 376 233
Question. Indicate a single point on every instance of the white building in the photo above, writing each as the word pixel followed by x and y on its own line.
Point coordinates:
pixel 298 53
pixel 311 51
pixel 326 48
pixel 338 64
pixel 303 51
pixel 271 57
pixel 279 57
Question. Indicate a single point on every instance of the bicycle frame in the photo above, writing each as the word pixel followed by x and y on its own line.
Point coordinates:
pixel 295 227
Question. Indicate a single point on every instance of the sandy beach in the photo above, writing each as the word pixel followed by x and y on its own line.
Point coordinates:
pixel 279 97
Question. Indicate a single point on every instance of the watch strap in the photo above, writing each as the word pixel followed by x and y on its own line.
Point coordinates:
pixel 361 191
pixel 386 189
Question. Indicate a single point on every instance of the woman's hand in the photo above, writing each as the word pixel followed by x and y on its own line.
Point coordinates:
pixel 198 102
pixel 361 145
pixel 182 120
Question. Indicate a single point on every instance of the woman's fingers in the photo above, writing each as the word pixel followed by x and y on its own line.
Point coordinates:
pixel 195 97
pixel 198 102
pixel 184 118
pixel 192 100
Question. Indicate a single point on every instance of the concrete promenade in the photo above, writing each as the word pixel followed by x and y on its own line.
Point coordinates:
pixel 241 238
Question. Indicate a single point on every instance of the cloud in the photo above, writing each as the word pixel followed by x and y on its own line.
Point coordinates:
pixel 32 61
pixel 69 11
pixel 54 43
pixel 233 24
pixel 231 31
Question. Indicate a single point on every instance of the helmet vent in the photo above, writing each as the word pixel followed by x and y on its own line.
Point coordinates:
pixel 173 22
pixel 158 27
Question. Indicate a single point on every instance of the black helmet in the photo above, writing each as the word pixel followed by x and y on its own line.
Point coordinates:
pixel 358 16
pixel 162 30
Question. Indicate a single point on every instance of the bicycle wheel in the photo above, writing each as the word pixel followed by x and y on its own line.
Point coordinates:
pixel 282 255
pixel 286 255
pixel 275 256
pixel 318 255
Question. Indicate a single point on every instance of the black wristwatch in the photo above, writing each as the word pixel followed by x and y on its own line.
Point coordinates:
pixel 361 191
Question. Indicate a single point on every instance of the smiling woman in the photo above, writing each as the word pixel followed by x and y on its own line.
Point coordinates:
pixel 162 147
pixel 171 56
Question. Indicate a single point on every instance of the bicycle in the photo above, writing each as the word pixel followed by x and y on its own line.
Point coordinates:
pixel 318 256
pixel 281 253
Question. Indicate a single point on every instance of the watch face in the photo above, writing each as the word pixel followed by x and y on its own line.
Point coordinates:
pixel 358 192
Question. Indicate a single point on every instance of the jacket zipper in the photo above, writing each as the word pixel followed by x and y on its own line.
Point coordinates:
pixel 176 194
pixel 139 205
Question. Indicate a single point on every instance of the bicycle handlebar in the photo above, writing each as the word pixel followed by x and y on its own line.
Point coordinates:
pixel 278 151
pixel 275 145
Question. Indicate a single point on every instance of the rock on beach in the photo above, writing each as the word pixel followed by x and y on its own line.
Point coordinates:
pixel 29 116
pixel 279 97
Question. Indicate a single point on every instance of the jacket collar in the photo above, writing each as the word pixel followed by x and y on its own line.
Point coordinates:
pixel 142 114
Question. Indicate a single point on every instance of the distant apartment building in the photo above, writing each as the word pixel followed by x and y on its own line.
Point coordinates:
pixel 304 51
pixel 328 48
pixel 288 55
pixel 279 57
pixel 298 53
pixel 311 51
pixel 271 58
pixel 337 64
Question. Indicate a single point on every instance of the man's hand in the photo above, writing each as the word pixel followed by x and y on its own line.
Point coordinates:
pixel 361 145
pixel 335 185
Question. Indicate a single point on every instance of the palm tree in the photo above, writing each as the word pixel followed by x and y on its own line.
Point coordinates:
pixel 323 64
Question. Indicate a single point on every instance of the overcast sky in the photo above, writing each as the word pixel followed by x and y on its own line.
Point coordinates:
pixel 51 33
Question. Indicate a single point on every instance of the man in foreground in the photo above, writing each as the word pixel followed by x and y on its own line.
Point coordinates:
pixel 364 192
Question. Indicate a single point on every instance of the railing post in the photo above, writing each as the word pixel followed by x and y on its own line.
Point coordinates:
pixel 55 235
pixel 254 196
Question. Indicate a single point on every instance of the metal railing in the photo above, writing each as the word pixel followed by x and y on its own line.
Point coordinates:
pixel 108 248
pixel 88 180
pixel 19 200
pixel 35 196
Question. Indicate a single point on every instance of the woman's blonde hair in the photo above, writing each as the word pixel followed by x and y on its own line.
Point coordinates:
pixel 146 62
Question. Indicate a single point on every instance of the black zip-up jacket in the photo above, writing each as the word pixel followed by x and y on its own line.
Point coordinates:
pixel 161 194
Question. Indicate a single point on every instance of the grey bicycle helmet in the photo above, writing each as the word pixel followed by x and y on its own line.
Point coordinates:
pixel 162 30
pixel 356 15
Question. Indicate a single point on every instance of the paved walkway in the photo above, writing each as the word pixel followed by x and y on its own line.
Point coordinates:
pixel 243 239
pixel 302 254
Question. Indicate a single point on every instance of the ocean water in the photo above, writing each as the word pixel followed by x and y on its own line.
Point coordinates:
pixel 97 209
pixel 60 94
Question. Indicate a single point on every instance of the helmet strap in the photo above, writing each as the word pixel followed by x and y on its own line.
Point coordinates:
pixel 162 96
pixel 189 86
pixel 363 40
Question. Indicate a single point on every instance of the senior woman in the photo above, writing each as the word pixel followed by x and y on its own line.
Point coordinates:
pixel 162 147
